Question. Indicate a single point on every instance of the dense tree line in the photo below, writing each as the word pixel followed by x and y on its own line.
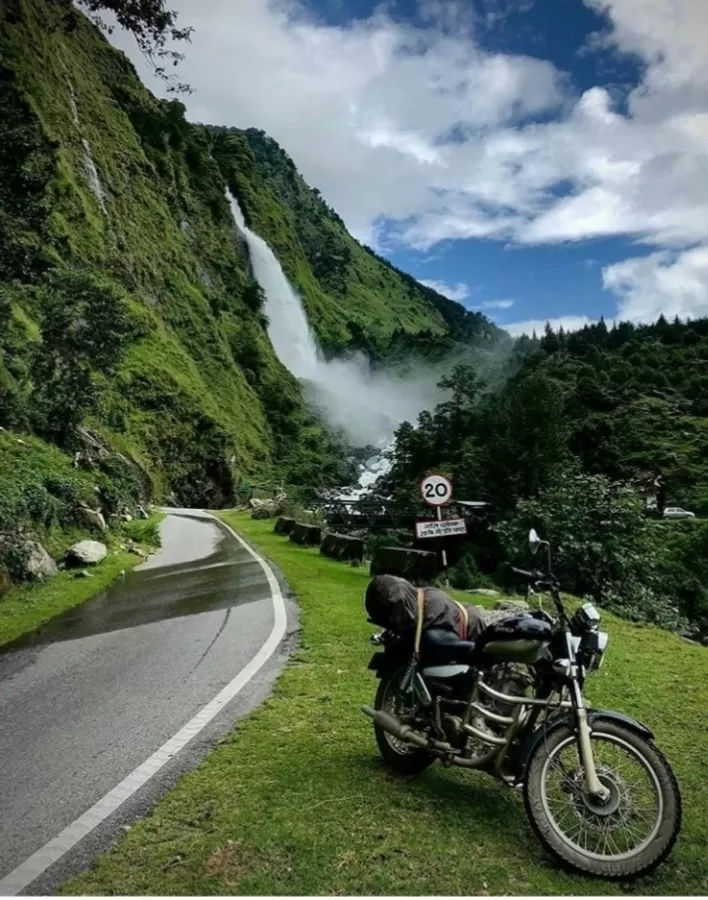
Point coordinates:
pixel 567 440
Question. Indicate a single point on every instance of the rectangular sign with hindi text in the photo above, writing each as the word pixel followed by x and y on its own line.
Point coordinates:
pixel 443 528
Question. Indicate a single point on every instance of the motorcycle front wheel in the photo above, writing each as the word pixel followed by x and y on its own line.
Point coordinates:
pixel 400 755
pixel 629 834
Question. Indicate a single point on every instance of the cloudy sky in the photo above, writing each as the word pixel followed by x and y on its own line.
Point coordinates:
pixel 534 159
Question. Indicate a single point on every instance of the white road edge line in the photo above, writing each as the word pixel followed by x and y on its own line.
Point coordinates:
pixel 54 850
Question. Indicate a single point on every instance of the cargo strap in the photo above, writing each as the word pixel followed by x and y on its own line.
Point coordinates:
pixel 464 622
pixel 419 622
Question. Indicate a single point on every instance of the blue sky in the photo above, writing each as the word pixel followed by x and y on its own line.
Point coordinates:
pixel 536 159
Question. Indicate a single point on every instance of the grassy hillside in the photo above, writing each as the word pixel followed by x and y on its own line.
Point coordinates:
pixel 297 802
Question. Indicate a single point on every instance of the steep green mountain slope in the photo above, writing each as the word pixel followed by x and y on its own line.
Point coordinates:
pixel 125 299
pixel 353 297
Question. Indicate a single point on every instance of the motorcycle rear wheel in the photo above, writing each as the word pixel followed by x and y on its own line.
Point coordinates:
pixel 628 836
pixel 399 755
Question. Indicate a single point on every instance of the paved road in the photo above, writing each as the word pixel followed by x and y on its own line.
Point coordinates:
pixel 89 697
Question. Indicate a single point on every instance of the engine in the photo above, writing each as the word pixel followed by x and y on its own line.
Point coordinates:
pixel 507 678
pixel 512 679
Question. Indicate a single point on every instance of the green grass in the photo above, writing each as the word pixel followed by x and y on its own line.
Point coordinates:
pixel 25 607
pixel 296 801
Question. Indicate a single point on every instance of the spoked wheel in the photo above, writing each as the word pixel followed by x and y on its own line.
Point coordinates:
pixel 400 755
pixel 627 835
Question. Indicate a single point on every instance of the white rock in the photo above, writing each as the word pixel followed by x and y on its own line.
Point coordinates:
pixel 38 562
pixel 86 553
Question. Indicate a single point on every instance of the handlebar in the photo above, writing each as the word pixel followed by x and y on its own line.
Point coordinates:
pixel 540 580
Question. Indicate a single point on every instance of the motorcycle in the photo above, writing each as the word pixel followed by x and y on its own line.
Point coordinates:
pixel 598 792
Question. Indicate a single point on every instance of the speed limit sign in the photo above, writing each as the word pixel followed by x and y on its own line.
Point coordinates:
pixel 436 490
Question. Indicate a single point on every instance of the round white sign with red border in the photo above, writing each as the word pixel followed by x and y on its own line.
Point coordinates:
pixel 436 489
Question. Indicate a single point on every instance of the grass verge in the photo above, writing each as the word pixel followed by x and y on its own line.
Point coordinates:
pixel 26 607
pixel 295 801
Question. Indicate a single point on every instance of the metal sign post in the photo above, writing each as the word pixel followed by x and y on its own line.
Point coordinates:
pixel 436 490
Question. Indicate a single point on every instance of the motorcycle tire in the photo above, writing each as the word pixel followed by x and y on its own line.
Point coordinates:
pixel 399 755
pixel 626 865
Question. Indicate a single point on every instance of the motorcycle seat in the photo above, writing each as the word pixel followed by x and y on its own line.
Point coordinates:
pixel 440 647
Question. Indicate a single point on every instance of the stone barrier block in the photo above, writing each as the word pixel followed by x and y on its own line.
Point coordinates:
pixel 416 566
pixel 342 547
pixel 284 525
pixel 307 535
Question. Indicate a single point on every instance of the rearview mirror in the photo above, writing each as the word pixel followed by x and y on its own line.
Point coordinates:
pixel 534 541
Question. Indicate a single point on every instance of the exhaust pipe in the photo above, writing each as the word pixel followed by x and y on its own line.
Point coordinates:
pixel 401 731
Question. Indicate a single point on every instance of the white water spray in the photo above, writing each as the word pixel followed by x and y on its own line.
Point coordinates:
pixel 368 405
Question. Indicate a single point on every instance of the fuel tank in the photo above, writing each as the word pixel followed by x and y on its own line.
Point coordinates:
pixel 521 639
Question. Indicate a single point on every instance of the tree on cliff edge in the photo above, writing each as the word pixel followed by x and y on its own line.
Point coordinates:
pixel 154 27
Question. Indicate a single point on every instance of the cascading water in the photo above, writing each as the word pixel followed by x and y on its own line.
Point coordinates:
pixel 92 175
pixel 288 329
pixel 72 104
pixel 367 405
pixel 89 165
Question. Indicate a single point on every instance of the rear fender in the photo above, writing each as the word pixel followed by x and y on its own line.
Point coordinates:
pixel 595 717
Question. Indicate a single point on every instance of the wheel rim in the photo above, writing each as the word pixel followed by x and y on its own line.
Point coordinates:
pixel 630 819
pixel 392 705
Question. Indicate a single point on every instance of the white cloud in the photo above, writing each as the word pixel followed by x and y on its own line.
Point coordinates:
pixel 364 110
pixel 497 304
pixel 675 284
pixel 567 323
pixel 457 291
pixel 368 111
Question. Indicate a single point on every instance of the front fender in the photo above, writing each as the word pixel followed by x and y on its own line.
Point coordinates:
pixel 532 740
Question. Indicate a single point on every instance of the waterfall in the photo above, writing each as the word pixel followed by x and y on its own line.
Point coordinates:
pixel 89 165
pixel 92 175
pixel 367 405
pixel 288 329
pixel 72 104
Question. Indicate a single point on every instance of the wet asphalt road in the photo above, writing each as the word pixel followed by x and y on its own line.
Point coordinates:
pixel 88 697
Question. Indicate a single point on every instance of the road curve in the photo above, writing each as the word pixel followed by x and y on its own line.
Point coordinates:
pixel 88 698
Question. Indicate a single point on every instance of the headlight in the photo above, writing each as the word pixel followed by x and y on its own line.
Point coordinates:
pixel 592 648
pixel 587 618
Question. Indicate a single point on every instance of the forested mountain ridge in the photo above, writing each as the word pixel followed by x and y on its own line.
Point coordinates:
pixel 126 301
pixel 578 437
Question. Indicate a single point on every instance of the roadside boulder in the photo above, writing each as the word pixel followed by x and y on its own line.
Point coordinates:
pixel 284 525
pixel 307 535
pixel 504 609
pixel 25 558
pixel 264 509
pixel 342 547
pixel 512 607
pixel 92 517
pixel 416 566
pixel 38 563
pixel 85 553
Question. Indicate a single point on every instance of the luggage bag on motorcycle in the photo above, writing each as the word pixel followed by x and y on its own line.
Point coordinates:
pixel 392 603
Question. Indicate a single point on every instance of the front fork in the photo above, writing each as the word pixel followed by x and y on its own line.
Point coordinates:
pixel 592 783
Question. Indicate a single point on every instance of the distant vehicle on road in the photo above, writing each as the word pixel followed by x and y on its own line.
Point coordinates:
pixel 675 512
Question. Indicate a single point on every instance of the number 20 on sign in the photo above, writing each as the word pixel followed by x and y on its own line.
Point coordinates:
pixel 436 489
